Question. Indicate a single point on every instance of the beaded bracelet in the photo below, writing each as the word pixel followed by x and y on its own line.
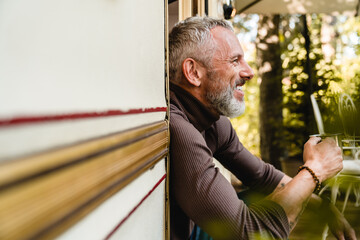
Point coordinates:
pixel 316 179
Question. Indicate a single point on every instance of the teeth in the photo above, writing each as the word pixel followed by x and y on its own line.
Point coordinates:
pixel 238 87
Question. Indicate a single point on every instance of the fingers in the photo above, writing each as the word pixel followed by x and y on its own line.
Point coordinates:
pixel 324 157
pixel 344 231
pixel 350 234
pixel 340 238
pixel 327 143
pixel 313 140
pixel 339 226
pixel 345 238
pixel 330 140
pixel 339 235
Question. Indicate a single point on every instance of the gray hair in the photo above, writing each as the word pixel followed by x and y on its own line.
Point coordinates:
pixel 191 38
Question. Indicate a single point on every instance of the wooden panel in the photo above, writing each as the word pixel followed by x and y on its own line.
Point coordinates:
pixel 32 138
pixel 43 195
pixel 213 6
pixel 201 7
pixel 185 9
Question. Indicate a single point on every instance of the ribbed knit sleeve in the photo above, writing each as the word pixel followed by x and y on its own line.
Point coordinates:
pixel 252 171
pixel 207 198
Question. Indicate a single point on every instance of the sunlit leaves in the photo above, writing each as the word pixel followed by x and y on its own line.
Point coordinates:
pixel 332 74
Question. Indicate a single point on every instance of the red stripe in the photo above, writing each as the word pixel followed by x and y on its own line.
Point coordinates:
pixel 136 207
pixel 72 116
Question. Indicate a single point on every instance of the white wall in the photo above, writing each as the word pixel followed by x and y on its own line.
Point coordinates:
pixel 79 57
pixel 146 220
pixel 73 57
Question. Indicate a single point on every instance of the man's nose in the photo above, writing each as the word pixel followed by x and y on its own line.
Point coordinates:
pixel 246 72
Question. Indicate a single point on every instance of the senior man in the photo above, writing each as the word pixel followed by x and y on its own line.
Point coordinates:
pixel 207 73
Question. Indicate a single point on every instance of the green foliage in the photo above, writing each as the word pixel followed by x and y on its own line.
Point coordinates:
pixel 333 76
pixel 296 85
pixel 349 67
pixel 350 32
pixel 247 125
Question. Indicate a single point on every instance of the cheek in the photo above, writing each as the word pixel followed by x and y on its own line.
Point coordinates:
pixel 220 82
pixel 219 86
pixel 229 76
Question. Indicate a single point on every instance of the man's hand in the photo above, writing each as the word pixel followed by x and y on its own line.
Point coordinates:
pixel 324 158
pixel 339 226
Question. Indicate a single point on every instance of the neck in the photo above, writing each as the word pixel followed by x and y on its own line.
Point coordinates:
pixel 197 93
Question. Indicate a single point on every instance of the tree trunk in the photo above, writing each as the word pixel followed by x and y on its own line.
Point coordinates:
pixel 271 97
pixel 309 114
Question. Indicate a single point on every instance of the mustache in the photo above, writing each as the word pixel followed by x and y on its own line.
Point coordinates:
pixel 240 81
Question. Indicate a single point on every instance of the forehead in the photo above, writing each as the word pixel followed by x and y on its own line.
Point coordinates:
pixel 227 44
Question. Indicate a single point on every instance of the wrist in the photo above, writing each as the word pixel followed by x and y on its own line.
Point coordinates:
pixel 314 177
pixel 316 168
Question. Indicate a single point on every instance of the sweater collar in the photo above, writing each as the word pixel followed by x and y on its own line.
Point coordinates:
pixel 198 114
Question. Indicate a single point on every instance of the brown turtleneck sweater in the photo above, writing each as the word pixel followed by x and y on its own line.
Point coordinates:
pixel 199 192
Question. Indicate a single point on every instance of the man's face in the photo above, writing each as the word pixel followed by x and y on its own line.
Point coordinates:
pixel 229 72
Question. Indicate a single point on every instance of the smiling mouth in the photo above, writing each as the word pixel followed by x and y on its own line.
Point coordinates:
pixel 239 83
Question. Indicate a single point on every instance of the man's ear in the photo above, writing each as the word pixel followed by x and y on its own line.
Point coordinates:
pixel 193 71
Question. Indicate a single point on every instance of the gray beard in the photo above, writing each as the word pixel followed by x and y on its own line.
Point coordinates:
pixel 225 103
